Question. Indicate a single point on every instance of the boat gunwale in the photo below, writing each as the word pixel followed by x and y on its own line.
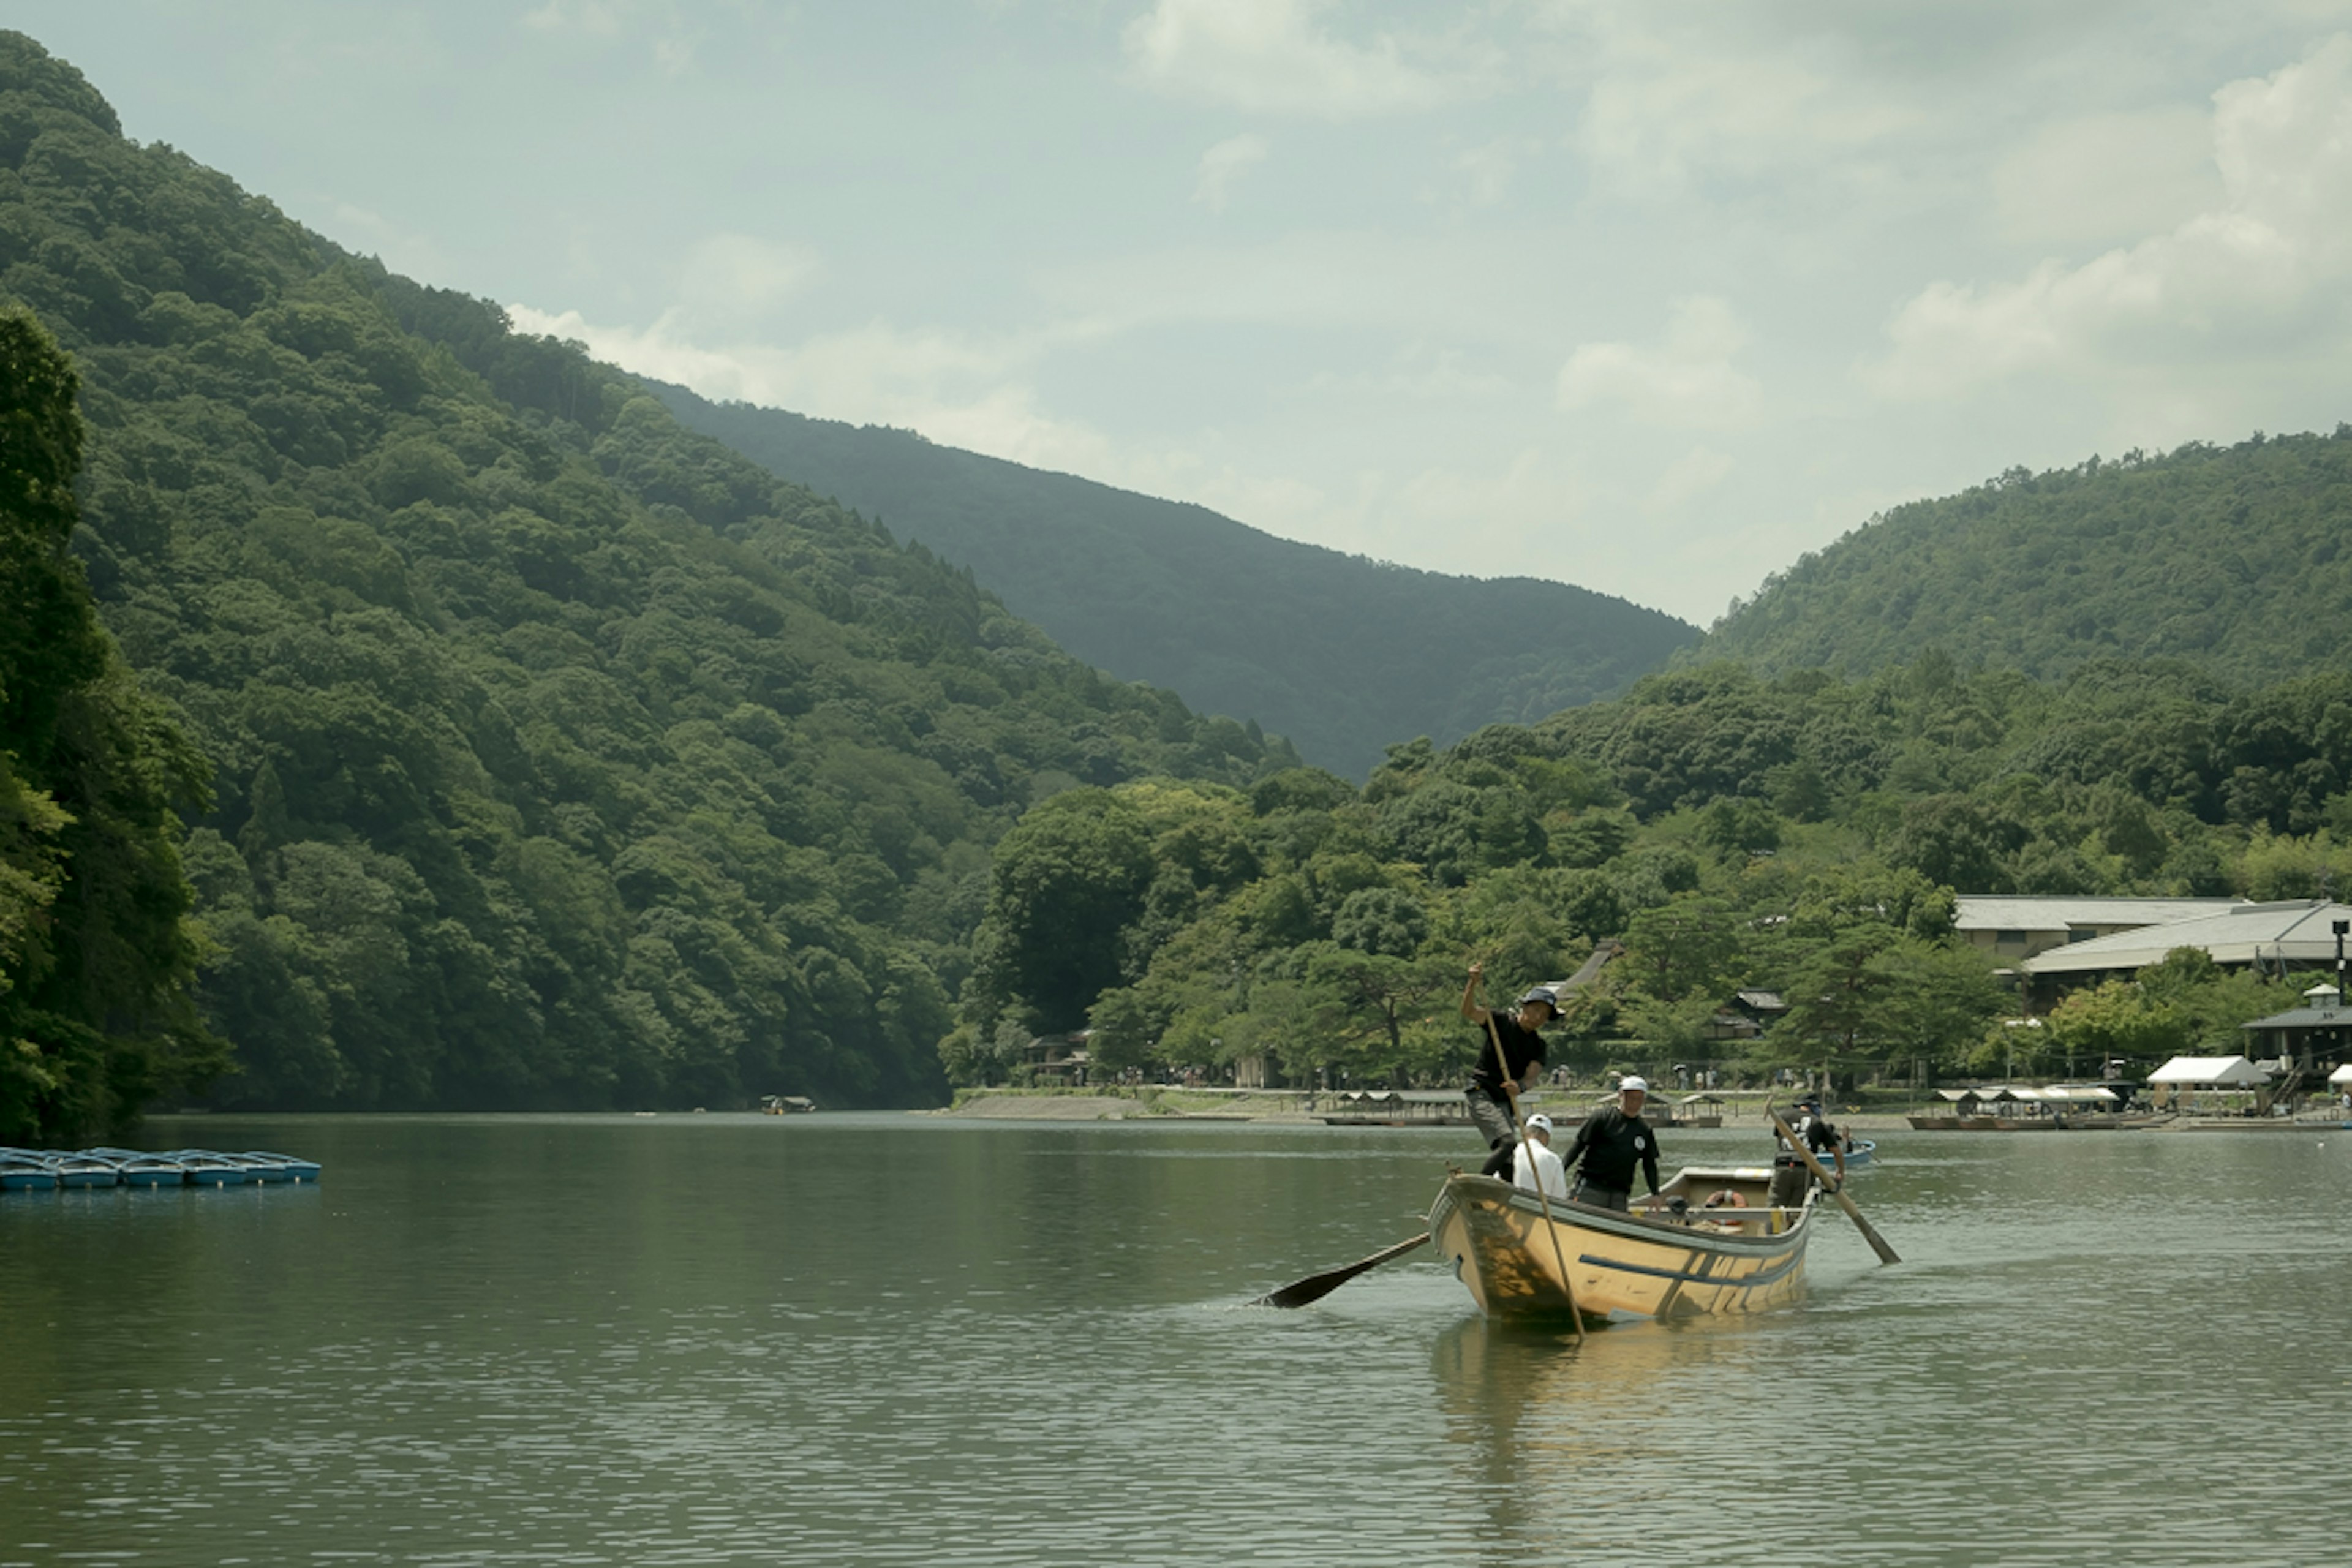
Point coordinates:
pixel 1628 1226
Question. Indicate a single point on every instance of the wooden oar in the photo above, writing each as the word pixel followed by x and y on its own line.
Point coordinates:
pixel 1511 1092
pixel 1837 1190
pixel 1315 1287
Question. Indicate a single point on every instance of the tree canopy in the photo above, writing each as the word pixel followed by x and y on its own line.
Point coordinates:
pixel 2231 558
pixel 1340 653
pixel 560 756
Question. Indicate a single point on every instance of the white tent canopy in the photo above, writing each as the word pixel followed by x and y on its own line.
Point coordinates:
pixel 2219 1072
pixel 2342 1074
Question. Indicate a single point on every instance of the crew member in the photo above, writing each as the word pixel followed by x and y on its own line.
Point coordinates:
pixel 1790 1175
pixel 1533 1164
pixel 1612 1141
pixel 1490 1090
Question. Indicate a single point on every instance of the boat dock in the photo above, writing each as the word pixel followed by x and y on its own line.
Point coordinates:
pixel 54 1170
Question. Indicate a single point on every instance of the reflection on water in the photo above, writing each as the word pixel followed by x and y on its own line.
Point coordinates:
pixel 871 1338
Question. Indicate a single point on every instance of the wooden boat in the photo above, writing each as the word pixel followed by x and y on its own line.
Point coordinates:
pixel 1724 1250
pixel 2069 1122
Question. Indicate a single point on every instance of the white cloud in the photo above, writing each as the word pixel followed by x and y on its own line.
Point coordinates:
pixel 1687 478
pixel 2260 273
pixel 1275 57
pixel 2097 178
pixel 737 278
pixel 1688 380
pixel 1222 165
pixel 672 48
pixel 602 17
pixel 1486 170
pixel 1669 105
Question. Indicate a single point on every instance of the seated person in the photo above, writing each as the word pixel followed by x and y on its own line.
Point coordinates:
pixel 1534 1162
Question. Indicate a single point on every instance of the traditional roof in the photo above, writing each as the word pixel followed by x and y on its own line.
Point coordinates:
pixel 2001 911
pixel 2296 932
pixel 2305 1018
pixel 2232 1072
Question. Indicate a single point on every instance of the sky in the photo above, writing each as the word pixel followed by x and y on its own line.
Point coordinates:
pixel 1653 298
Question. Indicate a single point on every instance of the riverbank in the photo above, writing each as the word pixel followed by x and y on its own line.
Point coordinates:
pixel 1149 1102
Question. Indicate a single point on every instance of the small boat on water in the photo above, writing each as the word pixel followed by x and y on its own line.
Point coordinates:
pixel 1858 1152
pixel 85 1169
pixel 290 1167
pixel 26 1170
pixel 1711 1244
pixel 143 1170
pixel 206 1169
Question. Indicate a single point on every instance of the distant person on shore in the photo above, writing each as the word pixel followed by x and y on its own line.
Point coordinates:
pixel 1612 1142
pixel 1489 1093
pixel 1790 1175
pixel 1533 1164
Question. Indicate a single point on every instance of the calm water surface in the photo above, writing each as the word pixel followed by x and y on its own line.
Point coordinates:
pixel 884 1339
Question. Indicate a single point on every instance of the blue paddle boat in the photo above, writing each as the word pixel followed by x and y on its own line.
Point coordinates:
pixel 145 1169
pixel 26 1170
pixel 290 1167
pixel 80 1168
pixel 206 1169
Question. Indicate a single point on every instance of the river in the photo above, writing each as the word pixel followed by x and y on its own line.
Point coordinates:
pixel 872 1339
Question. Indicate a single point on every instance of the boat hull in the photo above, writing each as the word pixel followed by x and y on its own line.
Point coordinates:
pixel 2081 1123
pixel 1510 1257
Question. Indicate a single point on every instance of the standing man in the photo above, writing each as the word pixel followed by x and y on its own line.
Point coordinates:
pixel 1523 1049
pixel 1789 1175
pixel 1612 1141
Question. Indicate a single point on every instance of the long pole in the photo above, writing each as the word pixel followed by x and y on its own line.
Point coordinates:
pixel 1837 1189
pixel 1511 1093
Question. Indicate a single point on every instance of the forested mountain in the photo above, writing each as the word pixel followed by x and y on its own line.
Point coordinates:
pixel 95 954
pixel 559 756
pixel 1804 835
pixel 2236 559
pixel 1341 654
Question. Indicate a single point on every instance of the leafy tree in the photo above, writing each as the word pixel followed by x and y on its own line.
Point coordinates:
pixel 1067 882
pixel 96 952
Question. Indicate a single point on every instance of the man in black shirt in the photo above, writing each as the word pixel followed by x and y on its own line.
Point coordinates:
pixel 1523 1048
pixel 1611 1142
pixel 1791 1177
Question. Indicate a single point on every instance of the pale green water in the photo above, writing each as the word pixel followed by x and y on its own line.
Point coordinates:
pixel 839 1339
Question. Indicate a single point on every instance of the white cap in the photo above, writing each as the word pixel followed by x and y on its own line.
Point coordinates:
pixel 1539 1123
pixel 1638 1085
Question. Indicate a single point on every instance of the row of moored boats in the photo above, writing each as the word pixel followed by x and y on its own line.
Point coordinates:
pixel 49 1169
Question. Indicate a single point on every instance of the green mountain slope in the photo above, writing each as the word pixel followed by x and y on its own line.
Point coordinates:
pixel 560 756
pixel 1341 654
pixel 2233 558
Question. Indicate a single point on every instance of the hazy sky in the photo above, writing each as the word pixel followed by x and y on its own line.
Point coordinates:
pixel 1649 297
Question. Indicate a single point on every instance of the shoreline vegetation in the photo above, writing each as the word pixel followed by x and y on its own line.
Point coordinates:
pixel 1743 1110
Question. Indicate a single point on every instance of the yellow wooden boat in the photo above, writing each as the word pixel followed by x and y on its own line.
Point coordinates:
pixel 1711 1244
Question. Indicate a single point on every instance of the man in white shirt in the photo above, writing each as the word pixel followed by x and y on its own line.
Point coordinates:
pixel 1548 1169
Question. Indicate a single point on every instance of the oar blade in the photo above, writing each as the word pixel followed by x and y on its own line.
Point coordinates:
pixel 1315 1287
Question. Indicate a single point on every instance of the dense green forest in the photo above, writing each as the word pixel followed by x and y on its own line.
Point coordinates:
pixel 1803 835
pixel 2233 558
pixel 557 756
pixel 1340 654
pixel 425 712
pixel 96 953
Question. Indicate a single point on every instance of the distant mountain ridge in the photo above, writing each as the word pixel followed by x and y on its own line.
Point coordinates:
pixel 2234 559
pixel 560 758
pixel 1342 655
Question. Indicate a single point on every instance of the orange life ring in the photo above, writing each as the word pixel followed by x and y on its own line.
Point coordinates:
pixel 1728 1198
